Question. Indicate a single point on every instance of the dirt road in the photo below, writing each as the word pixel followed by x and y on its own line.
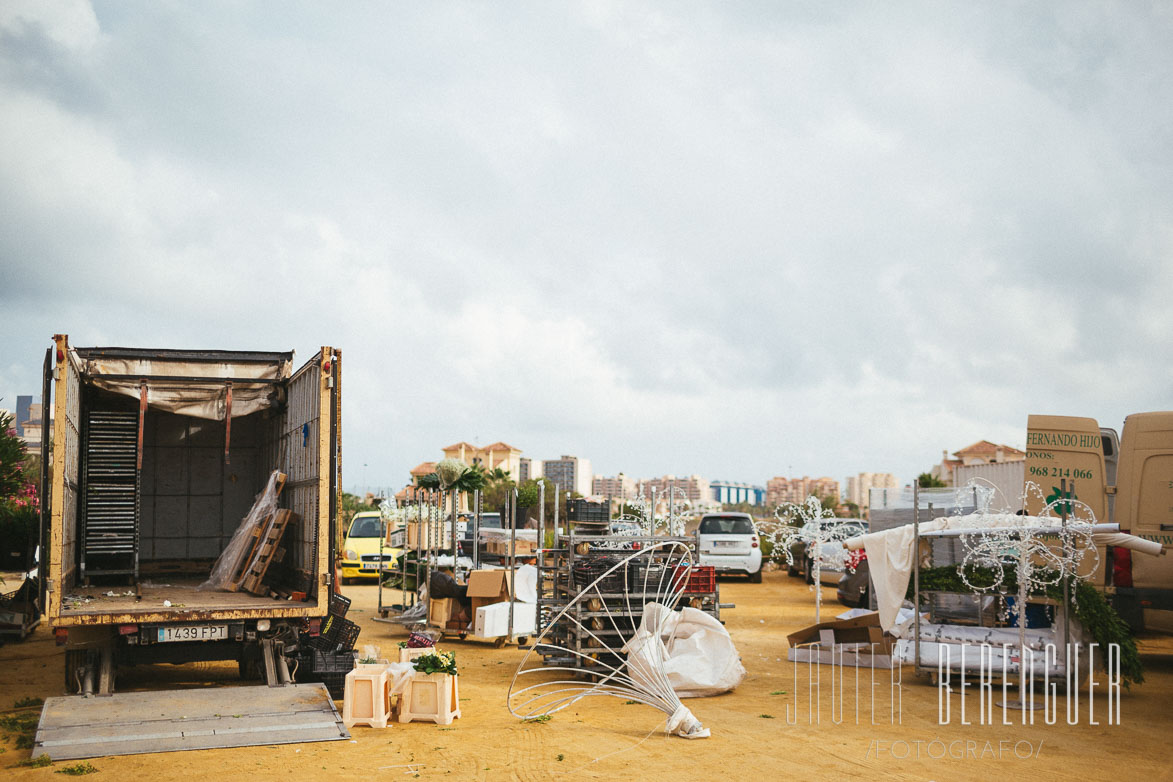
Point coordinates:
pixel 606 739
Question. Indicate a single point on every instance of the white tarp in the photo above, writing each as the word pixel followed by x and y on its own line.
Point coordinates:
pixel 696 651
pixel 890 551
pixel 199 400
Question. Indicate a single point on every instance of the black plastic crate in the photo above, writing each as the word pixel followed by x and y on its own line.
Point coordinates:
pixel 339 605
pixel 335 684
pixel 328 662
pixel 329 668
pixel 586 511
pixel 337 634
pixel 341 631
pixel 585 571
pixel 650 577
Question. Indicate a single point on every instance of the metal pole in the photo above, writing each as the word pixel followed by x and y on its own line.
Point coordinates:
pixel 381 570
pixel 916 575
pixel 424 531
pixel 541 530
pixel 653 523
pixel 512 561
pixel 455 498
pixel 672 507
pixel 1022 650
pixel 401 563
pixel 541 555
pixel 815 562
pixel 476 530
pixel 1066 593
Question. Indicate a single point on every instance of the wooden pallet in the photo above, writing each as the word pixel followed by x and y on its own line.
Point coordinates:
pixel 244 559
pixel 268 550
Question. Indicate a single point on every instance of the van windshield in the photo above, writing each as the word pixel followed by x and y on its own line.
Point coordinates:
pixel 726 525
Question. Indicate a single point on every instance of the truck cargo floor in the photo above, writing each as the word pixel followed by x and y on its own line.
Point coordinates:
pixel 133 723
pixel 184 597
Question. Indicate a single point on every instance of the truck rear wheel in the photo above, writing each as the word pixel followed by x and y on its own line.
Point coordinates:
pixel 249 666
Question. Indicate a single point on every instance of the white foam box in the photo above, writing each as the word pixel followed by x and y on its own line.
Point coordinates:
pixel 492 621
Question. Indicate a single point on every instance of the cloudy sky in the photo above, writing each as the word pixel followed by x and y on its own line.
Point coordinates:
pixel 735 239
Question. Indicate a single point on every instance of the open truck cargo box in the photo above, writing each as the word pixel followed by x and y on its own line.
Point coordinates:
pixel 158 456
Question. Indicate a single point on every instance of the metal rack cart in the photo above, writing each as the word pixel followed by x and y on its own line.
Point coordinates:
pixel 567 568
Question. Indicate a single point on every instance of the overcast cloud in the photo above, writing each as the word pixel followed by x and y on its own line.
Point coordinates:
pixel 734 239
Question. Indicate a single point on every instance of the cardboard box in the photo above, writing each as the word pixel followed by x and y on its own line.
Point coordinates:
pixel 858 642
pixel 492 621
pixel 486 587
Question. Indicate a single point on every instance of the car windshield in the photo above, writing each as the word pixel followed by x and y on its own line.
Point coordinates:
pixel 491 520
pixel 726 525
pixel 367 527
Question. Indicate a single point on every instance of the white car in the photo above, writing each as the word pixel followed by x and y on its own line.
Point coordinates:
pixel 729 542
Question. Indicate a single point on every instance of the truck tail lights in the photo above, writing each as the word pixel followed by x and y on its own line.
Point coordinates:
pixel 1121 567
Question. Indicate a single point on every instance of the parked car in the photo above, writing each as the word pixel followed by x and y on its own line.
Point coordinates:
pixel 360 550
pixel 465 529
pixel 729 542
pixel 829 573
pixel 855 586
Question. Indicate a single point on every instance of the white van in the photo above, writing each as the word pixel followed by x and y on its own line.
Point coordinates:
pixel 729 542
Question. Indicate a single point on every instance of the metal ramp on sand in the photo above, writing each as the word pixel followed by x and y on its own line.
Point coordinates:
pixel 132 723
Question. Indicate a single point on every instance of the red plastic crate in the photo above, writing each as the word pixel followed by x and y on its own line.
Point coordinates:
pixel 702 579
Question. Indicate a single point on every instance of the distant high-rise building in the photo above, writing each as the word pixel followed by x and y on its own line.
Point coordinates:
pixel 696 488
pixel 859 486
pixel 23 403
pixel 796 490
pixel 569 473
pixel 28 422
pixel 620 487
pixel 731 493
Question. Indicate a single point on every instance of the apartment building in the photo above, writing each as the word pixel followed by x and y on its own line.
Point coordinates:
pixel 859 486
pixel 498 454
pixel 696 488
pixel 570 473
pixel 796 490
pixel 619 487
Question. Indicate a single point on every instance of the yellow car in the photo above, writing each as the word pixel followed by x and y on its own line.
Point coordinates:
pixel 360 550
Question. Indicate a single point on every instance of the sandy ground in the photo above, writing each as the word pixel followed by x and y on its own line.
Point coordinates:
pixel 602 738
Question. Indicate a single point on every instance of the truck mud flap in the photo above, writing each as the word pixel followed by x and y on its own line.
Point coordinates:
pixel 133 723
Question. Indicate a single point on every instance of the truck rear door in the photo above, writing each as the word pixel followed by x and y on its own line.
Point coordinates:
pixel 1144 506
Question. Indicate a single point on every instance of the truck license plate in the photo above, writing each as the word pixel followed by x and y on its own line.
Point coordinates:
pixel 193 633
